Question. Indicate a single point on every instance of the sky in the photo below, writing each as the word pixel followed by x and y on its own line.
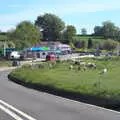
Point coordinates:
pixel 80 13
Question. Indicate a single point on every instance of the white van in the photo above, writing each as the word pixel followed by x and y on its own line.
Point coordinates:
pixel 15 55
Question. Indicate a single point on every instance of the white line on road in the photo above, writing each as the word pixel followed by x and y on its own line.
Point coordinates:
pixel 13 115
pixel 17 111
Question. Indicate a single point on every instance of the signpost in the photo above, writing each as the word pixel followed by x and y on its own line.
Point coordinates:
pixel 118 50
pixel 4 47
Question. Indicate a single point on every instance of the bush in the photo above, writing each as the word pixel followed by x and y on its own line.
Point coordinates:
pixel 110 45
pixel 27 66
pixel 90 43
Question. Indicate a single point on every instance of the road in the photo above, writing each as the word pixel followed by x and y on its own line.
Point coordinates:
pixel 28 104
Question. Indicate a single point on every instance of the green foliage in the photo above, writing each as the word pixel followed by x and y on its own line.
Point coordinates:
pixel 25 35
pixel 110 45
pixel 72 45
pixel 69 34
pixel 4 63
pixel 90 43
pixel 98 31
pixel 10 44
pixel 97 42
pixel 27 66
pixel 83 31
pixel 3 37
pixel 80 44
pixel 108 30
pixel 51 26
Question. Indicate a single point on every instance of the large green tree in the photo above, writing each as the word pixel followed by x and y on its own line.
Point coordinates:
pixel 26 34
pixel 98 31
pixel 69 34
pixel 108 29
pixel 51 26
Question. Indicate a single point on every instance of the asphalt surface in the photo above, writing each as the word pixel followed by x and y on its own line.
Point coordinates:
pixel 4 116
pixel 43 106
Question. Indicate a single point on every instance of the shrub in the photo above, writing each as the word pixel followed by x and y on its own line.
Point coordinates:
pixel 110 45
pixel 90 43
pixel 27 66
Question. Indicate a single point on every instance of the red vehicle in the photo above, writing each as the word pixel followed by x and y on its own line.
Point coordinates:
pixel 51 57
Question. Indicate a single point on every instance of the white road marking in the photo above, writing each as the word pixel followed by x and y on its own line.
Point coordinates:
pixel 13 115
pixel 17 111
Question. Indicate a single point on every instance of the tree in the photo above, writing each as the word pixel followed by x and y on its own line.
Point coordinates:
pixel 83 44
pixel 78 44
pixel 90 43
pixel 26 34
pixel 10 44
pixel 110 44
pixel 98 31
pixel 51 26
pixel 83 31
pixel 117 33
pixel 69 34
pixel 108 29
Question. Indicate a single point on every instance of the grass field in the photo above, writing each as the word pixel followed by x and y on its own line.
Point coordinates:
pixel 5 63
pixel 96 39
pixel 3 37
pixel 89 82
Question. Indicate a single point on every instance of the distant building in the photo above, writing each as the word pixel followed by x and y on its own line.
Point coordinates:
pixel 42 49
pixel 54 46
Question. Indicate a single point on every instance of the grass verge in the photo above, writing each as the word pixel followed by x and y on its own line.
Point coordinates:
pixel 88 86
pixel 5 63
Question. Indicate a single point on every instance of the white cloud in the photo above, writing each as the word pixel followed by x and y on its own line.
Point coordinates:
pixel 7 28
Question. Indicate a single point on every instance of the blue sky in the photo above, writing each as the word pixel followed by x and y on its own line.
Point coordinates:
pixel 80 13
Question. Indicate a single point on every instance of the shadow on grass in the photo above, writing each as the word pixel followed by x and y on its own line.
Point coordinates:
pixel 89 99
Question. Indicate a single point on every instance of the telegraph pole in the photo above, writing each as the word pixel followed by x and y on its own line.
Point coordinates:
pixel 118 49
pixel 4 48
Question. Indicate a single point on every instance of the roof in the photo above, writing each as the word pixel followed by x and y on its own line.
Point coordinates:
pixel 47 44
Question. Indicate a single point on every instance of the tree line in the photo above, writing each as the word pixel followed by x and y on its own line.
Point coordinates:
pixel 107 30
pixel 49 27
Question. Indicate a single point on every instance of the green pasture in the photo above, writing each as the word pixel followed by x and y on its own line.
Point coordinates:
pixel 90 81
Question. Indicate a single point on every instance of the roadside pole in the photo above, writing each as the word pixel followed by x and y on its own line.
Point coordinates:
pixel 118 50
pixel 4 49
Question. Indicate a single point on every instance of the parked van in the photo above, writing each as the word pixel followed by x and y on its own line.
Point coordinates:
pixel 15 55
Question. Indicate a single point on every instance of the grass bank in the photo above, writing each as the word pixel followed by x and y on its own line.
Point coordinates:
pixel 5 63
pixel 89 85
pixel 3 37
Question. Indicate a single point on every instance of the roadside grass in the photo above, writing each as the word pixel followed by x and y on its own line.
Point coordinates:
pixel 3 37
pixel 5 63
pixel 89 82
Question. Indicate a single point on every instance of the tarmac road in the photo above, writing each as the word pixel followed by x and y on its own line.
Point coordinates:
pixel 20 103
